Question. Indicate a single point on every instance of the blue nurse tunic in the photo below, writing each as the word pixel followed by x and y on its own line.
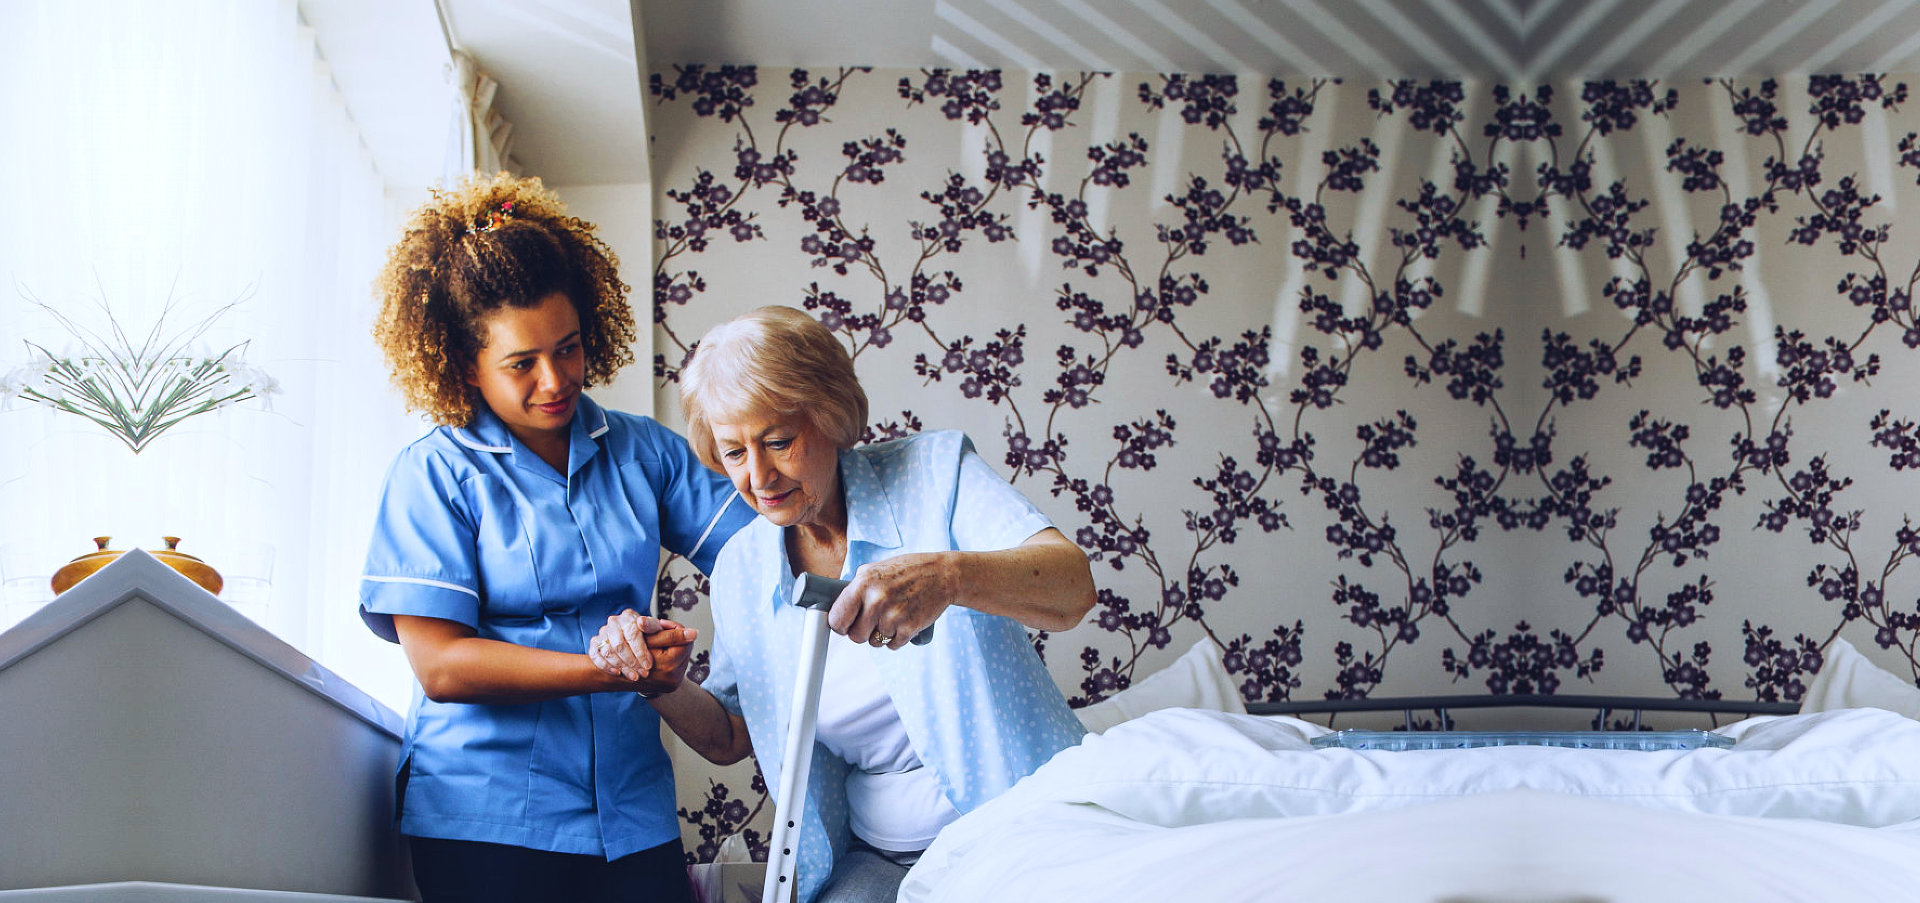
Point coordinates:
pixel 476 528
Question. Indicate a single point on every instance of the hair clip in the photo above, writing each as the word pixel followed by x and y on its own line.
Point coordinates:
pixel 497 216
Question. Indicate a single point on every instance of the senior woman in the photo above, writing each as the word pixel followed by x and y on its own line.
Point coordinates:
pixel 909 737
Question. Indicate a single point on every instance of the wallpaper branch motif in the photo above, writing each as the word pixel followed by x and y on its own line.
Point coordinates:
pixel 1593 435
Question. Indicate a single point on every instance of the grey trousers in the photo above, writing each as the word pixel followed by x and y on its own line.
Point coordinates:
pixel 866 875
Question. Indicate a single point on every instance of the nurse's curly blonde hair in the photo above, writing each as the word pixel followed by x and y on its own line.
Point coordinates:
pixel 486 244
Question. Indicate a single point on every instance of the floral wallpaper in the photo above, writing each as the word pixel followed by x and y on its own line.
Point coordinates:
pixel 1417 387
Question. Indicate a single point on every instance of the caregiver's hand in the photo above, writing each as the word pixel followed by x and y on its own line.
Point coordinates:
pixel 643 648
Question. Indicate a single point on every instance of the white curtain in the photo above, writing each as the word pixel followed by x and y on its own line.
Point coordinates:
pixel 192 153
pixel 484 137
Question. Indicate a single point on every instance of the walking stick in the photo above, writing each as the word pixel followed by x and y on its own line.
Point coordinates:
pixel 815 594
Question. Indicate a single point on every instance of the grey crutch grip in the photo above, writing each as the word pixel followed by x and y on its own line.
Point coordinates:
pixel 817 592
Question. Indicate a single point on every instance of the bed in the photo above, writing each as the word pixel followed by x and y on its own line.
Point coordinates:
pixel 1190 803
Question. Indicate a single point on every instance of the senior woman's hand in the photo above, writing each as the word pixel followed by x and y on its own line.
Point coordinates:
pixel 1044 583
pixel 645 649
pixel 887 602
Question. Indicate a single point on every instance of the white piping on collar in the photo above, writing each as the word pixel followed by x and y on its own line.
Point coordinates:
pixel 731 498
pixel 460 436
pixel 600 430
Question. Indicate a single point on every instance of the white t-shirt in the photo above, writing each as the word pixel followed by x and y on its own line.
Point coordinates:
pixel 894 802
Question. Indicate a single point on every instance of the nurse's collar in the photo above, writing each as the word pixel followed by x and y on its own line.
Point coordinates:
pixel 488 433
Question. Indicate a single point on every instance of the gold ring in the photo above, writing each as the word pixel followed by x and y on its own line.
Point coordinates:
pixel 880 639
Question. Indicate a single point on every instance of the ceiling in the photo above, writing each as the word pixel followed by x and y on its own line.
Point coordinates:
pixel 1499 40
pixel 571 78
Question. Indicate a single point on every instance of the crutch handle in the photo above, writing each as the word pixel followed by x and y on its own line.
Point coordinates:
pixel 817 592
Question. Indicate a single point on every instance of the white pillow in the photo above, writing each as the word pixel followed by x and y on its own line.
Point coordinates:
pixel 1196 680
pixel 1180 767
pixel 1848 680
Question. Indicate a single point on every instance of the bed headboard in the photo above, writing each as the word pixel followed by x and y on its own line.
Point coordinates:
pixel 1604 706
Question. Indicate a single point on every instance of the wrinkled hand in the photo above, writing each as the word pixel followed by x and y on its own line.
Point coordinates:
pixel 650 651
pixel 887 602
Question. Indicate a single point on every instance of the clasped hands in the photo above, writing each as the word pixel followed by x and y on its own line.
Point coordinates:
pixel 886 603
pixel 651 652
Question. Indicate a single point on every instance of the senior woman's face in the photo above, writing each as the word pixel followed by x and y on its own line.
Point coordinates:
pixel 781 465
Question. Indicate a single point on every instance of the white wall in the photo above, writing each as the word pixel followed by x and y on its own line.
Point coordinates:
pixel 624 214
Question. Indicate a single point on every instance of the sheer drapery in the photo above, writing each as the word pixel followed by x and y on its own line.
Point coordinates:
pixel 483 135
pixel 166 159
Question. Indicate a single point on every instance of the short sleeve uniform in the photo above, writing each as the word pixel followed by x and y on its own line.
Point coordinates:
pixel 978 704
pixel 473 527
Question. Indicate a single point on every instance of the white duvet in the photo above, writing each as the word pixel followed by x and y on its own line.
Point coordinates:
pixel 1184 805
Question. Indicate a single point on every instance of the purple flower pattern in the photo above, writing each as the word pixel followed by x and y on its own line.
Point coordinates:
pixel 1641 580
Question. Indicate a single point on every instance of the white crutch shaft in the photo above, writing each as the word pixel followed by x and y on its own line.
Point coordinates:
pixel 796 760
pixel 815 596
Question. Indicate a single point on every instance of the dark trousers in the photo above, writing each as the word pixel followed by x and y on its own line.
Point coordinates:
pixel 465 871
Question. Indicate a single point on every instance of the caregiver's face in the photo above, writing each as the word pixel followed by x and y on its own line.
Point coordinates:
pixel 781 465
pixel 532 368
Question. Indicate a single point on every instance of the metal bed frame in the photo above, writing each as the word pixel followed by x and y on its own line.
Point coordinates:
pixel 1605 706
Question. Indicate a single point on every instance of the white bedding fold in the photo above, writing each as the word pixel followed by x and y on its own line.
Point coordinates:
pixel 1185 766
pixel 1507 847
pixel 1193 805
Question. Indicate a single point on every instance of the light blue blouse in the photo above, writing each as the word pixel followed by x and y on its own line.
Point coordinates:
pixel 476 528
pixel 979 706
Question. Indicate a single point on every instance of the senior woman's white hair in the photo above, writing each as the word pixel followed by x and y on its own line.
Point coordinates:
pixel 771 360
